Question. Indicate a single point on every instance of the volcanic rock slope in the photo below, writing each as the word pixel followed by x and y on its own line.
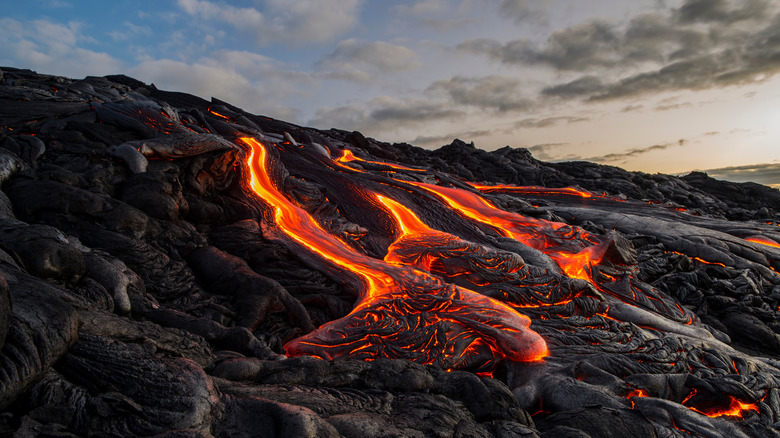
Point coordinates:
pixel 171 266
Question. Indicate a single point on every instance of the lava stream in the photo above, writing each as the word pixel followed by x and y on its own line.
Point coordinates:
pixel 763 240
pixel 574 250
pixel 401 311
pixel 531 190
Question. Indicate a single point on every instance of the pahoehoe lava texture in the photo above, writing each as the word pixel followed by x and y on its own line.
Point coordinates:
pixel 154 282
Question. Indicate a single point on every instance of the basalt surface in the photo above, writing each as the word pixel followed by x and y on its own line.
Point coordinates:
pixel 173 266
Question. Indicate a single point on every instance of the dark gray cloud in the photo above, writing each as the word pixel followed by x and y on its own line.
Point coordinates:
pixel 543 147
pixel 584 86
pixel 720 10
pixel 524 10
pixel 413 111
pixel 493 92
pixel 702 44
pixel 386 113
pixel 444 100
pixel 632 153
pixel 582 46
pixel 543 151
pixel 630 108
pixel 765 173
pixel 672 106
pixel 548 121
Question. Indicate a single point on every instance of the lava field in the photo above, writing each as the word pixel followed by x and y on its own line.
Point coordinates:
pixel 177 267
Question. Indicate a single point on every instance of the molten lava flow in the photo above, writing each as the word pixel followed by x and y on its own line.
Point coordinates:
pixel 531 190
pixel 402 312
pixel 698 259
pixel 637 393
pixel 736 408
pixel 763 240
pixel 218 114
pixel 574 250
pixel 445 255
pixel 577 253
pixel 407 221
pixel 302 228
pixel 348 156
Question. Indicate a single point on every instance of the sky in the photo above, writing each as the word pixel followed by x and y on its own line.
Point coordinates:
pixel 667 86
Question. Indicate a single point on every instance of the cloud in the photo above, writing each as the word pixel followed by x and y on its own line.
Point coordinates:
pixel 362 61
pixel 290 22
pixel 439 15
pixel 275 79
pixel 499 93
pixel 548 121
pixel 210 78
pixel 444 100
pixel 631 108
pixel 722 11
pixel 524 10
pixel 130 31
pixel 731 66
pixel 240 18
pixel 764 173
pixel 314 21
pixel 46 46
pixel 386 113
pixel 631 153
pixel 702 44
pixel 673 106
pixel 583 86
pixel 422 9
pixel 584 45
pixel 542 151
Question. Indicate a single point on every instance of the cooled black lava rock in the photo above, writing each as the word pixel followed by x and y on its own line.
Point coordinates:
pixel 145 291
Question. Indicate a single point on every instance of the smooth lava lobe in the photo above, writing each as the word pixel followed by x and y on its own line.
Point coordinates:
pixel 401 311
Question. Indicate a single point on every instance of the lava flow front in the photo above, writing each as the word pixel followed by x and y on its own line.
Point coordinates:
pixel 402 312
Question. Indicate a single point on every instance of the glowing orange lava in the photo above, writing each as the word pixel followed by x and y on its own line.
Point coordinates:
pixel 532 190
pixel 574 262
pixel 763 240
pixel 637 393
pixel 401 311
pixel 348 156
pixel 565 244
pixel 407 221
pixel 736 408
pixel 218 114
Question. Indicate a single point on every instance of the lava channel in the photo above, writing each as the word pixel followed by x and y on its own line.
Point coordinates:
pixel 401 311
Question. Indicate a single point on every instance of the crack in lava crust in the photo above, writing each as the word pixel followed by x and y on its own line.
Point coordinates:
pixel 401 312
